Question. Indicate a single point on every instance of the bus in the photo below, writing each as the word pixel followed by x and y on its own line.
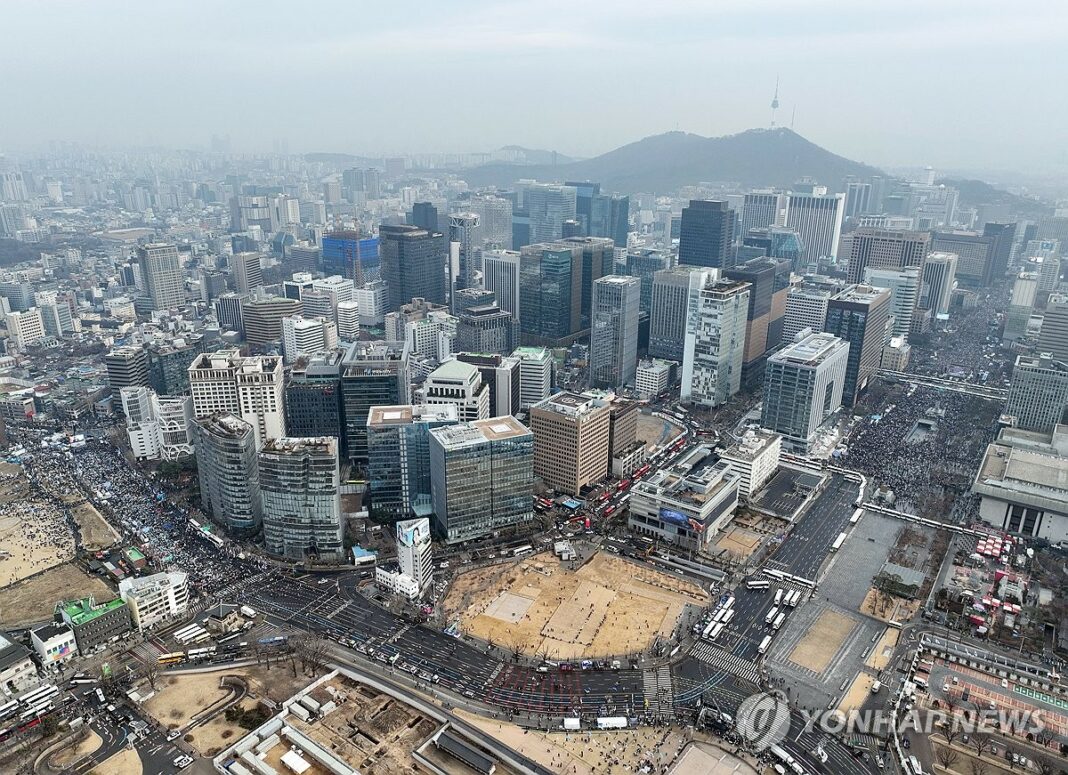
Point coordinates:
pixel 32 698
pixel 716 631
pixel 642 471
pixel 778 621
pixel 793 598
pixel 856 516
pixel 174 658
pixel 228 638
pixel 771 615
pixel 519 551
pixel 8 709
pixel 727 616
pixel 729 602
pixel 196 655
pixel 187 633
pixel 100 697
pixel 914 766
pixel 707 631
pixel 838 542
pixel 622 486
pixel 763 647
pixel 757 584
pixel 778 596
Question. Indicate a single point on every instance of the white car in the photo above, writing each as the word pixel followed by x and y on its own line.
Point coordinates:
pixel 174 734
pixel 181 762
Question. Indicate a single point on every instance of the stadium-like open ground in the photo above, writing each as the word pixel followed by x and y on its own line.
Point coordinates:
pixel 607 607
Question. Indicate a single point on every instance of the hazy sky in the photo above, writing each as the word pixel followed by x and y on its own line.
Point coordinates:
pixel 964 83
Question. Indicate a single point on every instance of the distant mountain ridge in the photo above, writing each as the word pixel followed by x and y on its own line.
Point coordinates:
pixel 666 162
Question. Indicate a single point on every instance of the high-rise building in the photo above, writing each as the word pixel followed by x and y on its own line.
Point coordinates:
pixel 305 336
pixel 372 374
pixel 342 255
pixel 714 348
pixel 162 275
pixel 614 331
pixel 398 458
pixel 348 321
pixel 550 293
pixel 247 271
pixel 597 261
pixel 502 375
pixel 535 375
pixel 548 207
pixel 886 249
pixel 460 384
pixel 975 254
pixel 1021 306
pixel 465 257
pixel 939 279
pixel 372 298
pixel 229 312
pixel 671 291
pixel 610 217
pixel 1049 275
pixel 486 329
pixel 467 298
pixel 250 387
pixel 127 366
pixel 425 216
pixel 25 328
pixel 19 295
pixel 500 274
pixel 806 305
pixel 415 551
pixel 571 440
pixel 313 397
pixel 494 230
pixel 707 234
pixel 414 264
pixel 644 264
pixel 1004 235
pixel 859 316
pixel 1053 338
pixel 1038 393
pixel 762 209
pixel 769 282
pixel 481 477
pixel 817 219
pixel 904 286
pixel 262 317
pixel 249 212
pixel 803 388
pixel 301 494
pixel 169 361
pixel 858 198
pixel 226 452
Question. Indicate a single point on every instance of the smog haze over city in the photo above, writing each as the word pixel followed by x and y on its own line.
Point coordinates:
pixel 533 388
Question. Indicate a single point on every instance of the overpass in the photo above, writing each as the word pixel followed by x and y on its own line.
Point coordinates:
pixel 938 383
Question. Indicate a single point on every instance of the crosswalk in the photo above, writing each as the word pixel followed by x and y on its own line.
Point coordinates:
pixel 658 690
pixel 734 665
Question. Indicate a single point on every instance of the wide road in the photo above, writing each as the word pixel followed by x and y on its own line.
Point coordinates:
pixel 805 549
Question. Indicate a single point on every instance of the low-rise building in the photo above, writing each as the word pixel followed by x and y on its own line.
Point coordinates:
pixel 17 669
pixel 652 377
pixel 95 625
pixel 755 459
pixel 54 644
pixel 390 578
pixel 1023 484
pixel 686 504
pixel 157 598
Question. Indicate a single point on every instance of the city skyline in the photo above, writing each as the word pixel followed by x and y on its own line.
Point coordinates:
pixel 367 57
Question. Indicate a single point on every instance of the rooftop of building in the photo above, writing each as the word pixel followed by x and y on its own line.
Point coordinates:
pixel 85 610
pixel 225 424
pixel 48 631
pixel 813 349
pixel 406 414
pixel 376 350
pixel 480 431
pixel 753 444
pixel 154 582
pixel 291 445
pixel 695 480
pixel 454 371
pixel 1028 467
pixel 570 404
pixel 862 294
pixel 1044 361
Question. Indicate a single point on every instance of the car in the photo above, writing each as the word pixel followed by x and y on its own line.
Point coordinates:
pixel 945 687
pixel 181 762
pixel 174 734
pixel 956 680
pixel 323 581
pixel 1004 683
pixel 906 743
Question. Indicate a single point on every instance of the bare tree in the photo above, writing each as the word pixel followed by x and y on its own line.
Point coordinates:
pixel 981 741
pixel 152 673
pixel 950 731
pixel 946 756
pixel 1046 766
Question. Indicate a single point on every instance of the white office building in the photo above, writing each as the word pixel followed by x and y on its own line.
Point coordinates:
pixel 372 299
pixel 500 274
pixel 154 599
pixel 25 328
pixel 714 348
pixel 458 383
pixel 904 287
pixel 251 388
pixel 755 458
pixel 535 375
pixel 348 321
pixel 415 552
pixel 54 643
pixel 303 336
pixel 817 219
pixel 652 377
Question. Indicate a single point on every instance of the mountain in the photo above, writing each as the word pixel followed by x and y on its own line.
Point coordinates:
pixel 537 156
pixel 976 193
pixel 662 163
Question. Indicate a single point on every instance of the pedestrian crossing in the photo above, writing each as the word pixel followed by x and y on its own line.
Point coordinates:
pixel 659 691
pixel 733 664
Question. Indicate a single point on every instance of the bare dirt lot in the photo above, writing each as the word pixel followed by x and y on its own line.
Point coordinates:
pixel 125 762
pixel 816 650
pixel 33 600
pixel 888 608
pixel 739 543
pixel 73 754
pixel 884 649
pixel 607 607
pixel 34 535
pixel 858 692
pixel 654 431
pixel 96 533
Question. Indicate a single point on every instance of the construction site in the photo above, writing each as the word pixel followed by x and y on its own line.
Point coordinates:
pixel 540 606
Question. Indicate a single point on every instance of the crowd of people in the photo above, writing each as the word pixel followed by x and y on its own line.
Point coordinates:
pixel 134 505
